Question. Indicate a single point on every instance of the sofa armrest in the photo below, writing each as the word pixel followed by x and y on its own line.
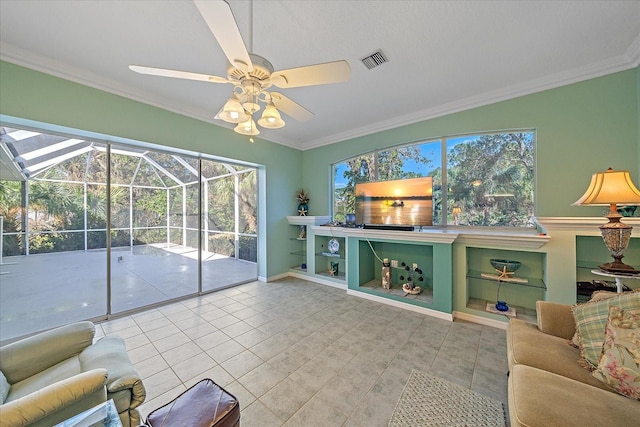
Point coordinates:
pixel 111 353
pixel 56 397
pixel 25 358
pixel 555 319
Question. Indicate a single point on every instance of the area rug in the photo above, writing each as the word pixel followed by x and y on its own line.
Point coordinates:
pixel 430 401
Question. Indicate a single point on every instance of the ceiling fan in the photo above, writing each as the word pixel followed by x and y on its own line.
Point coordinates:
pixel 251 75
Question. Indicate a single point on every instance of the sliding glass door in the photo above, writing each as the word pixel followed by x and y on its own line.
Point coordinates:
pixel 91 229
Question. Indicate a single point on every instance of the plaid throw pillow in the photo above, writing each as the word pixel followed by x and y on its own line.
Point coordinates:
pixel 591 320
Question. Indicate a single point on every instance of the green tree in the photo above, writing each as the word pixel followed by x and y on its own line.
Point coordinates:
pixel 491 179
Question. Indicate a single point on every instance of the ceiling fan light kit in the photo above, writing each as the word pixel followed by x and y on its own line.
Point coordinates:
pixel 248 128
pixel 271 118
pixel 232 112
pixel 251 76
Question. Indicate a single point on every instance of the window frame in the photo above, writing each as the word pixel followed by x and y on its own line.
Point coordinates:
pixel 444 197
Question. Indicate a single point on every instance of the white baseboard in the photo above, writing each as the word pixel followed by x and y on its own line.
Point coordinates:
pixel 394 303
pixel 422 310
pixel 274 278
pixel 480 320
pixel 316 279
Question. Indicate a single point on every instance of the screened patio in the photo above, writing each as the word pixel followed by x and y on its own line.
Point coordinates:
pixel 92 229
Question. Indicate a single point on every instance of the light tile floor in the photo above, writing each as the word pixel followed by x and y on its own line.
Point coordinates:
pixel 296 353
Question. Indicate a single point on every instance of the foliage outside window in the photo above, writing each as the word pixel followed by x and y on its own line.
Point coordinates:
pixel 154 200
pixel 489 177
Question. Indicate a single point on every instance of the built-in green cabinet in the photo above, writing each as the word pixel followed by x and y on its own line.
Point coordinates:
pixel 317 252
pixel 520 290
pixel 421 258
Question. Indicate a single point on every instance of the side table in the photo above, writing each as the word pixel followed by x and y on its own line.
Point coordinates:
pixel 102 415
pixel 617 276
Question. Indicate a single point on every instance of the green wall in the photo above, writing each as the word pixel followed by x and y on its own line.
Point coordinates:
pixel 34 96
pixel 581 128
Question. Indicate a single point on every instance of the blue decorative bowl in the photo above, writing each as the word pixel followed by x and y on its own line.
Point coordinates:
pixel 502 306
pixel 500 264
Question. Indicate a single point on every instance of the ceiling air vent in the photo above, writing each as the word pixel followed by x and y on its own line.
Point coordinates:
pixel 375 59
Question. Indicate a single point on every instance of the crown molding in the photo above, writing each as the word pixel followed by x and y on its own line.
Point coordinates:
pixel 52 67
pixel 633 53
pixel 630 59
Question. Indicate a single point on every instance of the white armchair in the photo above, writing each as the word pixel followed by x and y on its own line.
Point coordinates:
pixel 49 377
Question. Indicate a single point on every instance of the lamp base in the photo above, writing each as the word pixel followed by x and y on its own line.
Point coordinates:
pixel 616 236
pixel 618 266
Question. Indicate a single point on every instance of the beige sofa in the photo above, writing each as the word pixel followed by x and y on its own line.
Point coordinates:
pixel 547 385
pixel 49 377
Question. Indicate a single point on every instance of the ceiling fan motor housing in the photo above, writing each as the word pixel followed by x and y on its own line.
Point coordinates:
pixel 262 69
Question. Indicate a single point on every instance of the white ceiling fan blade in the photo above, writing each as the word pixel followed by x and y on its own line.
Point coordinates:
pixel 217 116
pixel 219 18
pixel 319 74
pixel 163 72
pixel 290 108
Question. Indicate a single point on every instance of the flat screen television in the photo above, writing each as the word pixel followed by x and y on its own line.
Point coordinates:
pixel 403 202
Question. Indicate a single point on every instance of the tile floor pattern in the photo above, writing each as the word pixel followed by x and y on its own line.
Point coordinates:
pixel 296 353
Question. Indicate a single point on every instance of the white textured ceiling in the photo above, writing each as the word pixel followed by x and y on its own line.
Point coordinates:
pixel 444 56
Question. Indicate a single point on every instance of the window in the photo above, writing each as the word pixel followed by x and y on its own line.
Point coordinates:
pixel 489 177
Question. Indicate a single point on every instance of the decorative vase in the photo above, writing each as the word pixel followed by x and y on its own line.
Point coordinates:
pixel 333 270
pixel 386 274
pixel 502 306
pixel 303 209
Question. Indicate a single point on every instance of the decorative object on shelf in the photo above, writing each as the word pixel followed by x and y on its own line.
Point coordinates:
pixel 627 211
pixel 333 268
pixel 612 188
pixel 302 234
pixel 502 306
pixel 303 203
pixel 492 308
pixel 410 287
pixel 386 274
pixel 505 267
pixel 333 245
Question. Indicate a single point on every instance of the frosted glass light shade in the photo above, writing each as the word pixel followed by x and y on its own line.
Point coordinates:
pixel 271 118
pixel 232 112
pixel 247 128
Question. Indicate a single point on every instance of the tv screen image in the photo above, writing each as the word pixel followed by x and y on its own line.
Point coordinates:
pixel 398 202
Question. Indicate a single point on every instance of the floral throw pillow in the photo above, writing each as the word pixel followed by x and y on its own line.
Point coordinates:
pixel 591 319
pixel 619 365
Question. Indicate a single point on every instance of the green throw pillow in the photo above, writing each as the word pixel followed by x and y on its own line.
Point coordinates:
pixel 4 388
pixel 591 320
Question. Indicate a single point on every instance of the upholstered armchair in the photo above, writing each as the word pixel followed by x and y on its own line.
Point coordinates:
pixel 51 376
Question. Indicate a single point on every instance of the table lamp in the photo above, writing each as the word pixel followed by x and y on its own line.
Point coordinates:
pixel 456 211
pixel 612 188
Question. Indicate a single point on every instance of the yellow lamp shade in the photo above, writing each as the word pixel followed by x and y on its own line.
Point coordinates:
pixel 610 187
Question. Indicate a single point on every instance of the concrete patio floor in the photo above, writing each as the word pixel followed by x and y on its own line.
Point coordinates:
pixel 42 291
